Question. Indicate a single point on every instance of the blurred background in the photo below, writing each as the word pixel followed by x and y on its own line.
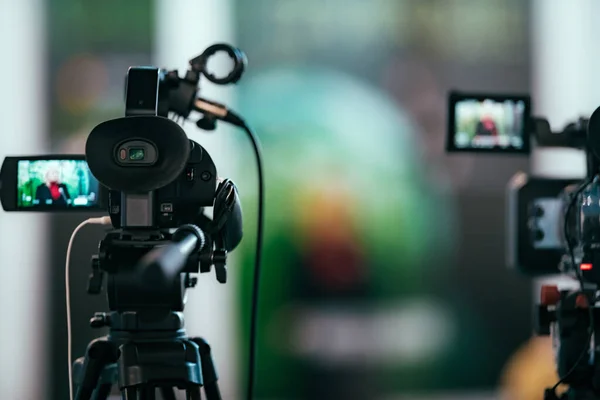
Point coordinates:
pixel 384 271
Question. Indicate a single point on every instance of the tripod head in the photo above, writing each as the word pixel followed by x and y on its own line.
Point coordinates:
pixel 151 275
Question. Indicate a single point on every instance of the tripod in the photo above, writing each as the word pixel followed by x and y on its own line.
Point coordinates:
pixel 143 354
pixel 566 316
pixel 147 348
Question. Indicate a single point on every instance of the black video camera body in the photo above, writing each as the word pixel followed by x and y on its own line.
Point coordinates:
pixel 553 224
pixel 194 177
pixel 156 176
pixel 158 180
pixel 547 218
pixel 535 218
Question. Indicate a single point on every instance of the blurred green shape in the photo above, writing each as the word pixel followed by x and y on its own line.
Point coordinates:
pixel 329 138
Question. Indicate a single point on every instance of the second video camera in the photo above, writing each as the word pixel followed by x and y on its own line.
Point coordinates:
pixel 546 217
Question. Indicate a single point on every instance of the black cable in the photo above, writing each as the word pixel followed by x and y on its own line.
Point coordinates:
pixel 579 275
pixel 238 121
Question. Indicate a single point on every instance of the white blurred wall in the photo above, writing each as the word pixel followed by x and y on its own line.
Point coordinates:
pixel 566 74
pixel 23 237
pixel 566 80
pixel 184 28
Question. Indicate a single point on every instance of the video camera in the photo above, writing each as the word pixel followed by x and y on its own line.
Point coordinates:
pixel 536 207
pixel 142 168
pixel 553 224
pixel 155 184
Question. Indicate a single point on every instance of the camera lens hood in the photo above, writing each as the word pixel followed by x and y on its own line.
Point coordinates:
pixel 169 139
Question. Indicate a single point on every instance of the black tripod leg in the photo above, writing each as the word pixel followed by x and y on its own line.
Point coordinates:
pixel 193 393
pixel 100 353
pixel 108 378
pixel 209 372
pixel 131 393
pixel 168 393
pixel 77 373
pixel 103 392
pixel 103 389
pixel 149 393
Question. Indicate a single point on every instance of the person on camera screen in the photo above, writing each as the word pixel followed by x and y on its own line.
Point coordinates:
pixel 52 191
pixel 486 125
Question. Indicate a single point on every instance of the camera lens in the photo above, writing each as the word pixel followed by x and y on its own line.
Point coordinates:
pixel 136 154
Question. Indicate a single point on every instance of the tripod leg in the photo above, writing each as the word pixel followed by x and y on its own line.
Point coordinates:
pixel 149 393
pixel 100 353
pixel 168 393
pixel 131 393
pixel 77 373
pixel 103 392
pixel 209 372
pixel 193 393
pixel 108 378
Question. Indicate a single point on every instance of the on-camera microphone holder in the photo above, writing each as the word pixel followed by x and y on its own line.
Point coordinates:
pixel 181 97
pixel 161 237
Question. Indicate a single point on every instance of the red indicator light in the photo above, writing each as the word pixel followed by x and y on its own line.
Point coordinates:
pixel 585 267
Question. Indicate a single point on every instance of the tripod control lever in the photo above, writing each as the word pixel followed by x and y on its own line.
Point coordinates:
pixel 100 320
pixel 220 263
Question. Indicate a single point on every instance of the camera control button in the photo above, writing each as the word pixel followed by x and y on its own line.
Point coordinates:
pixel 206 176
pixel 190 173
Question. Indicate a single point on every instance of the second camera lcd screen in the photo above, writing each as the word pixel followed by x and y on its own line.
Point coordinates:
pixel 490 125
